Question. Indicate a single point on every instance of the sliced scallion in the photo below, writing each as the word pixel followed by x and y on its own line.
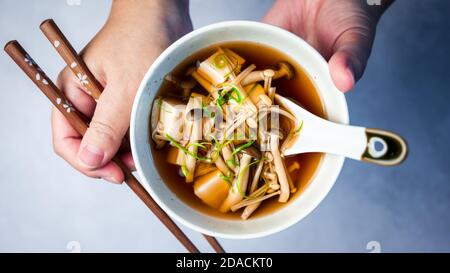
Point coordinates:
pixel 242 147
pixel 186 151
pixel 239 177
pixel 184 170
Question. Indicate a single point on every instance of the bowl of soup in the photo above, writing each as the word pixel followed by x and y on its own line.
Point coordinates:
pixel 207 131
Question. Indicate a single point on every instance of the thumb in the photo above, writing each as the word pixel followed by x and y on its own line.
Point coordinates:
pixel 107 128
pixel 350 54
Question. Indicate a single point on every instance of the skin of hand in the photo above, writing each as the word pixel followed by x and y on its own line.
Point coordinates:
pixel 342 31
pixel 136 32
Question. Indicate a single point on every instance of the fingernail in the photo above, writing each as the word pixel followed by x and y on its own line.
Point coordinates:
pixel 112 179
pixel 91 156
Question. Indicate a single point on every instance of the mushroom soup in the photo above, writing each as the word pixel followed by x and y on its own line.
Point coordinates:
pixel 219 133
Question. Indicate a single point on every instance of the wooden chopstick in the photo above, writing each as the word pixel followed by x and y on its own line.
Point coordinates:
pixel 76 64
pixel 71 58
pixel 79 122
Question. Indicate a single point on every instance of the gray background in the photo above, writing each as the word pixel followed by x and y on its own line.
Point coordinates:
pixel 45 204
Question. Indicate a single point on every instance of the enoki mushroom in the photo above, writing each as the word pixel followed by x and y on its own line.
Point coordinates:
pixel 219 124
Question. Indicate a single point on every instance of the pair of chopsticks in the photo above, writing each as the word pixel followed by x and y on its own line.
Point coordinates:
pixel 80 122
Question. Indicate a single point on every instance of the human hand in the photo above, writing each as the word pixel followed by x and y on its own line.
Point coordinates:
pixel 135 33
pixel 342 31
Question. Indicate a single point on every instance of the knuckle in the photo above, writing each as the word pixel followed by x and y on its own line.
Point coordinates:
pixel 62 76
pixel 103 130
pixel 86 171
pixel 90 174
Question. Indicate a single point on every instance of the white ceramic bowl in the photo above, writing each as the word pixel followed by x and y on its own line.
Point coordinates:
pixel 314 65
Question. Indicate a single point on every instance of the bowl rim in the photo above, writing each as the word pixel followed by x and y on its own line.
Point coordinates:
pixel 339 160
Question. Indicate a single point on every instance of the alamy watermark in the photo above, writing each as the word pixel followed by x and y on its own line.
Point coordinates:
pixel 373 247
pixel 73 247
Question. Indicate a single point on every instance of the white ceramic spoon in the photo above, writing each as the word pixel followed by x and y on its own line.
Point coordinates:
pixel 319 135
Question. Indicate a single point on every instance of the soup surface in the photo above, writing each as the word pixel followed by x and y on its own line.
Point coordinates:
pixel 300 88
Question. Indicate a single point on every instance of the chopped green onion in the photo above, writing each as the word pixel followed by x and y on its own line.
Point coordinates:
pixel 233 89
pixel 220 101
pixel 219 145
pixel 226 178
pixel 241 173
pixel 205 109
pixel 237 99
pixel 223 98
pixel 235 67
pixel 214 155
pixel 231 162
pixel 243 146
pixel 213 137
pixel 227 142
pixel 299 128
pixel 199 145
pixel 240 136
pixel 184 170
pixel 186 151
pixel 220 61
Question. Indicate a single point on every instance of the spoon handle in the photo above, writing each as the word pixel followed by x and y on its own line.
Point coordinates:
pixel 370 145
pixel 392 149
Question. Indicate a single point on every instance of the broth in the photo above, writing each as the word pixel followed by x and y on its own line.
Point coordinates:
pixel 300 88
